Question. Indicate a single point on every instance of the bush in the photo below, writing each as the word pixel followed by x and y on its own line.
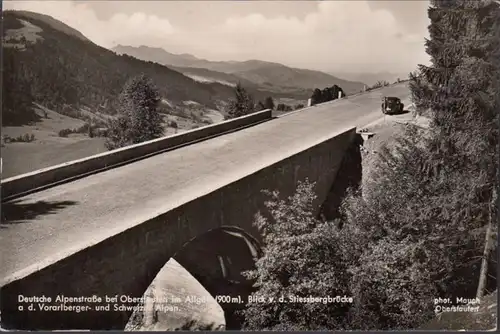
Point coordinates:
pixel 100 132
pixel 86 128
pixel 173 124
pixel 283 107
pixel 65 132
pixel 300 258
pixel 26 138
pixel 327 94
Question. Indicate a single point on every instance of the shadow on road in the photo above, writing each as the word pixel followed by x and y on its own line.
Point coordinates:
pixel 18 213
pixel 406 111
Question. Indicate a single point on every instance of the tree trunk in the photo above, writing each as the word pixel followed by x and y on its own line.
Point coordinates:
pixel 487 248
pixel 484 264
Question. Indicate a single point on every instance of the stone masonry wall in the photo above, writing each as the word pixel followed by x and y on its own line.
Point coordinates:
pixel 125 264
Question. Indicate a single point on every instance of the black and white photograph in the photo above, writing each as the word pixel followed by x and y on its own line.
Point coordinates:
pixel 249 165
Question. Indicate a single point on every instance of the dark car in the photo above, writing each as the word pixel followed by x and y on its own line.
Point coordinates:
pixel 392 105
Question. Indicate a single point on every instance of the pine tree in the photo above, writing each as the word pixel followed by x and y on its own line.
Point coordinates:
pixel 139 118
pixel 242 104
pixel 465 89
pixel 269 103
pixel 461 87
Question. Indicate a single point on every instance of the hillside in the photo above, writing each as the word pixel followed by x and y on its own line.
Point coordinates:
pixel 265 88
pixel 283 76
pixel 203 74
pixel 56 24
pixel 273 76
pixel 54 66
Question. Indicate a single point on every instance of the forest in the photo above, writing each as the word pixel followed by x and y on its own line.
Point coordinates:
pixel 423 228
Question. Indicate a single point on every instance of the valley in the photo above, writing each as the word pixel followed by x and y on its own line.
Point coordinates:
pixel 45 94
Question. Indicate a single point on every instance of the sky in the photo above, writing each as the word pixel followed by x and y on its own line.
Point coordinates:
pixel 347 36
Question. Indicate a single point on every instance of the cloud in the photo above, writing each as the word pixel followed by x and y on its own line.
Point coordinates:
pixel 337 35
pixel 119 29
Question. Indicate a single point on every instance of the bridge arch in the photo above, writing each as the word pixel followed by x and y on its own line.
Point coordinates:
pixel 217 260
pixel 206 266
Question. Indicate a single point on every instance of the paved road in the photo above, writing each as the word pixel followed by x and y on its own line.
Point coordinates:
pixel 44 227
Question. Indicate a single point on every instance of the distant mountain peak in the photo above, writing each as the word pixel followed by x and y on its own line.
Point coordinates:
pixel 188 55
pixel 159 50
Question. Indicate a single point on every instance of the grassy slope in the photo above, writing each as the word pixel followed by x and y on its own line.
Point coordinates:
pixel 56 24
pixel 49 149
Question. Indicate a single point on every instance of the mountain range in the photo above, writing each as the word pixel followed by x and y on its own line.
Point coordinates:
pixel 268 75
pixel 52 64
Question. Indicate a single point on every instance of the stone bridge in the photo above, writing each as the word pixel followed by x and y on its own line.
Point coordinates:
pixel 109 233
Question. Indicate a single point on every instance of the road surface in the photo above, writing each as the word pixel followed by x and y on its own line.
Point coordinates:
pixel 44 227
